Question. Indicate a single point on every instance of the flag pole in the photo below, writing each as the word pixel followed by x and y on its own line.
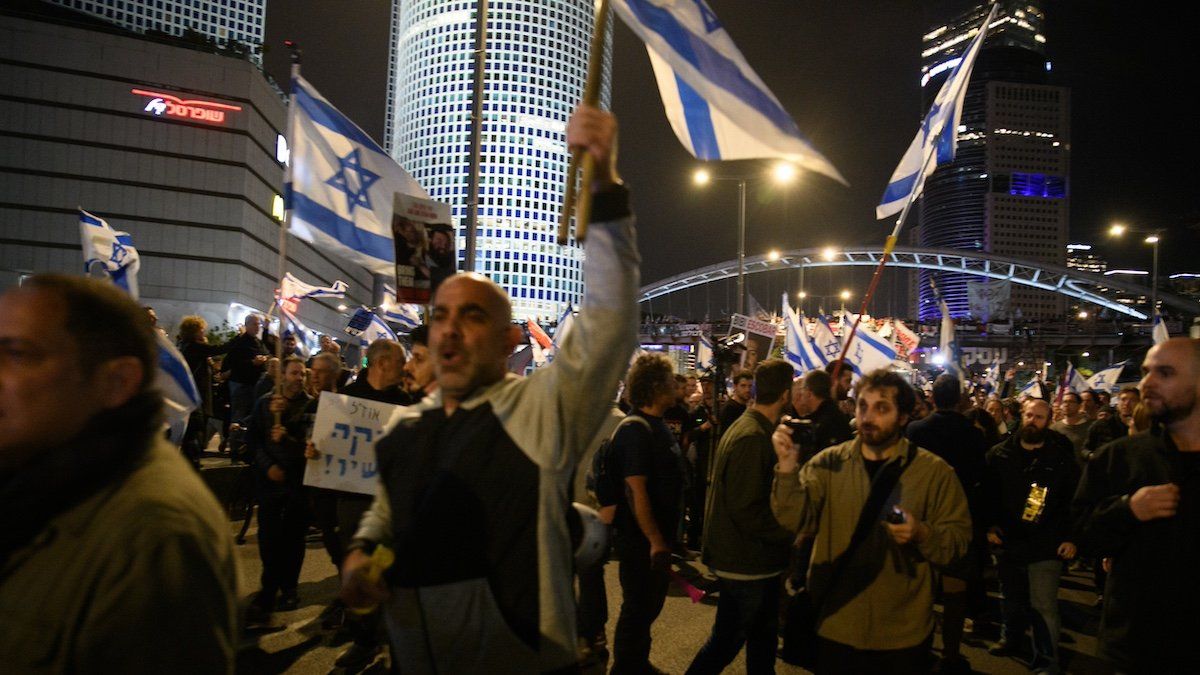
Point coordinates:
pixel 888 246
pixel 481 17
pixel 287 213
pixel 575 199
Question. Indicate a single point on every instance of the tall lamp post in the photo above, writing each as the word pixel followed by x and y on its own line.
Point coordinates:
pixel 783 174
pixel 1152 237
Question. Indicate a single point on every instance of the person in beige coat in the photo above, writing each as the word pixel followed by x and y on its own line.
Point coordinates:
pixel 877 615
pixel 114 556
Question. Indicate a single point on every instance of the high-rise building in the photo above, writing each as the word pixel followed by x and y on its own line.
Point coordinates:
pixel 537 56
pixel 1007 191
pixel 1081 257
pixel 226 22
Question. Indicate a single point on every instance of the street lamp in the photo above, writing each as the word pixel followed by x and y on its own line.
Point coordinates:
pixel 773 255
pixel 845 297
pixel 783 173
pixel 1153 237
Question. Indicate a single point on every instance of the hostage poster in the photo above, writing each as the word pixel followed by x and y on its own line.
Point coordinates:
pixel 425 248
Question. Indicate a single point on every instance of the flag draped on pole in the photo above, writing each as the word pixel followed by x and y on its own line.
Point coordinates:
pixel 828 346
pixel 904 335
pixel 1033 389
pixel 704 354
pixel 991 377
pixel 947 343
pixel 113 250
pixel 565 323
pixel 405 315
pixel 1106 379
pixel 715 102
pixel 1072 381
pixel 1159 334
pixel 293 289
pixel 342 184
pixel 937 139
pixel 799 348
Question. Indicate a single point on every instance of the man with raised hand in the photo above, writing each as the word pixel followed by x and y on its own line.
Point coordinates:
pixel 902 511
pixel 1139 504
pixel 474 479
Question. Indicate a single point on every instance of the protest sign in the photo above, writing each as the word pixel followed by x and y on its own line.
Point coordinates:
pixel 345 433
pixel 425 251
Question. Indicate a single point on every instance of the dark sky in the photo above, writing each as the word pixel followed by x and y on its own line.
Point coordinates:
pixel 848 72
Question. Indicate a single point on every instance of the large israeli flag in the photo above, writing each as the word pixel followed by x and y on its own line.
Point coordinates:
pixel 1106 379
pixel 937 140
pixel 704 354
pixel 826 345
pixel 716 103
pixel 294 289
pixel 110 250
pixel 341 184
pixel 799 349
pixel 405 315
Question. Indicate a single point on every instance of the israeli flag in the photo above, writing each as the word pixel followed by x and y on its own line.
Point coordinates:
pixel 565 323
pixel 937 140
pixel 293 289
pixel 827 346
pixel 991 377
pixel 869 352
pixel 1033 390
pixel 799 349
pixel 1106 380
pixel 341 185
pixel 715 102
pixel 405 315
pixel 947 344
pixel 112 251
pixel 369 327
pixel 1159 334
pixel 704 354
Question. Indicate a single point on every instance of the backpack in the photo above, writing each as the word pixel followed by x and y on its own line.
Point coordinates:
pixel 604 478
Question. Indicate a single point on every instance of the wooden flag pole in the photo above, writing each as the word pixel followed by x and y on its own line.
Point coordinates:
pixel 581 159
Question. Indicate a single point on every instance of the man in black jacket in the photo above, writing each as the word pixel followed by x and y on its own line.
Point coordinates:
pixel 244 362
pixel 283 514
pixel 1031 478
pixel 948 434
pixel 1139 503
pixel 812 399
pixel 744 545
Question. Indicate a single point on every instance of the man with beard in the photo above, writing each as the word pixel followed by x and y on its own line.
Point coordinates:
pixel 420 378
pixel 1114 426
pixel 874 608
pixel 1031 478
pixel 1139 503
pixel 739 398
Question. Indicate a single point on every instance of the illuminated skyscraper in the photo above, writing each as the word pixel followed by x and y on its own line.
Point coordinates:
pixel 225 21
pixel 1007 191
pixel 537 54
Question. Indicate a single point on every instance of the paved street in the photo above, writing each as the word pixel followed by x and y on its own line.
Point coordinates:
pixel 300 646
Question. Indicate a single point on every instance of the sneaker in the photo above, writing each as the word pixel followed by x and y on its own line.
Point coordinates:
pixel 357 657
pixel 289 600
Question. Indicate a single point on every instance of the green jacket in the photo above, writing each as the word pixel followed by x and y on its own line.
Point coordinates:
pixel 138 578
pixel 884 597
pixel 741 535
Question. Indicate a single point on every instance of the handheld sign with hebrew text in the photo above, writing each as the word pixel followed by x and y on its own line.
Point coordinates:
pixel 345 433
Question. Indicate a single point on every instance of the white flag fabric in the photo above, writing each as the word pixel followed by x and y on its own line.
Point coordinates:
pixel 1106 379
pixel 342 184
pixel 292 288
pixel 104 246
pixel 827 345
pixel 1033 389
pixel 799 348
pixel 947 342
pixel 565 323
pixel 289 323
pixel 369 327
pixel 717 105
pixel 868 351
pixel 405 315
pixel 539 354
pixel 992 376
pixel 905 336
pixel 938 134
pixel 1159 334
pixel 704 354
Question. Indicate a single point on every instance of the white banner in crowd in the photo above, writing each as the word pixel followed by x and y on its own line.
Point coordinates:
pixel 345 433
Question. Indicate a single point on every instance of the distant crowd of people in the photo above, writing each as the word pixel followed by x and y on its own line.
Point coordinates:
pixel 847 504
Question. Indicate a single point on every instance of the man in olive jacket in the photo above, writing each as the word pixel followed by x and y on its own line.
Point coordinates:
pixel 877 616
pixel 114 556
pixel 743 543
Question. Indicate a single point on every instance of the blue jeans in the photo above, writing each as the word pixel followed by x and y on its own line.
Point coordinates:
pixel 747 613
pixel 241 402
pixel 1031 597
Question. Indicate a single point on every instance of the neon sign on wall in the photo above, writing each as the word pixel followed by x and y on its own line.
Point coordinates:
pixel 169 105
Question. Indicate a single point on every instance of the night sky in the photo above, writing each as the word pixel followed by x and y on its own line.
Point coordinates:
pixel 848 72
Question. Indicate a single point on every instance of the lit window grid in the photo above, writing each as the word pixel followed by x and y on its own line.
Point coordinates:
pixel 537 65
pixel 222 20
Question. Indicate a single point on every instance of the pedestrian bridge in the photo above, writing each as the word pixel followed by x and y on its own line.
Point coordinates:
pixel 1098 290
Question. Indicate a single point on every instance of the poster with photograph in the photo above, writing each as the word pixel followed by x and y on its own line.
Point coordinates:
pixel 760 339
pixel 425 250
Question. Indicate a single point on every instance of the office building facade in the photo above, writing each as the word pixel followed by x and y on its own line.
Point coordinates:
pixel 177 146
pixel 1007 191
pixel 536 71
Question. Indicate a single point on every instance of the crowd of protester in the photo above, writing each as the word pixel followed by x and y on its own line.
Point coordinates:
pixel 832 509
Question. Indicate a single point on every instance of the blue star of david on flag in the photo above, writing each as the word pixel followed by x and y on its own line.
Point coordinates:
pixel 119 253
pixel 355 180
pixel 832 349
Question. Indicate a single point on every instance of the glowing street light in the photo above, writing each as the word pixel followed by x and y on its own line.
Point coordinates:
pixel 784 172
pixel 1083 314
pixel 1152 239
pixel 773 255
pixel 1116 230
pixel 701 177
pixel 829 253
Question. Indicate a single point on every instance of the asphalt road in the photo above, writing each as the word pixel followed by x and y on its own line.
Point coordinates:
pixel 299 645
